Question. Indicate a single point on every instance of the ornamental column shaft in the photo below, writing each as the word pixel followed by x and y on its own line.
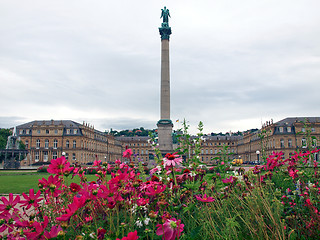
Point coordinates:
pixel 165 124
pixel 165 80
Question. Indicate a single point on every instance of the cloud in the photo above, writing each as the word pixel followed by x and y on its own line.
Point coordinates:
pixel 232 63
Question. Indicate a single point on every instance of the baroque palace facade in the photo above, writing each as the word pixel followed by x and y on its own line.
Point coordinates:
pixel 81 143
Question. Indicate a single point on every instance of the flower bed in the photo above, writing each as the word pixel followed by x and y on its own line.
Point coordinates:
pixel 277 200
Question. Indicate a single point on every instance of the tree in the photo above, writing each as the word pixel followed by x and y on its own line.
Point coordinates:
pixel 4 134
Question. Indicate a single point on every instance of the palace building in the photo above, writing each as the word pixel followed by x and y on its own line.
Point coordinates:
pixel 82 143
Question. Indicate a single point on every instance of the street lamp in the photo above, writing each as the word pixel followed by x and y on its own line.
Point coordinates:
pixel 258 152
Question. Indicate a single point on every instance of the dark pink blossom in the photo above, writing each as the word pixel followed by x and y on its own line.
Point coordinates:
pixel 228 180
pixel 59 166
pixel 131 236
pixel 171 229
pixel 10 203
pixel 204 198
pixel 31 200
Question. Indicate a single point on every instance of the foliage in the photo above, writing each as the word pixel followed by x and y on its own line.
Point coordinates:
pixel 131 133
pixel 177 199
pixel 4 134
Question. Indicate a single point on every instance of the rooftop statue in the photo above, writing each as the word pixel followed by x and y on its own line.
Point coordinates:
pixel 165 15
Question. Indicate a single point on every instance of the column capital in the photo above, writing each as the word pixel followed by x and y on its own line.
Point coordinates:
pixel 165 31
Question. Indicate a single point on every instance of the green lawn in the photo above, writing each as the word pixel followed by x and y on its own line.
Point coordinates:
pixel 21 182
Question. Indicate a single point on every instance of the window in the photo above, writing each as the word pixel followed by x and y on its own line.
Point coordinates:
pixel 289 143
pixel 281 129
pixel 27 144
pixel 303 130
pixel 36 156
pixel 75 131
pixel 215 151
pixel 55 144
pixel 206 151
pixel 211 151
pixel 67 144
pixel 46 144
pixel 54 155
pixel 21 131
pixel 314 142
pixel 313 129
pixel 68 131
pixel 38 143
pixel 141 152
pixel 56 131
pixel 146 151
pixel 73 156
pixel 74 143
pixel 27 131
pixel 47 131
pixel 288 129
pixel 303 142
pixel 67 156
pixel 45 156
pixel 281 143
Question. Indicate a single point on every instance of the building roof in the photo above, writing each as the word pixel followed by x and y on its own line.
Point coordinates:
pixel 66 123
pixel 291 120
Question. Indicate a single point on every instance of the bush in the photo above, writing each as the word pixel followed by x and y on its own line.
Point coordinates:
pixel 42 169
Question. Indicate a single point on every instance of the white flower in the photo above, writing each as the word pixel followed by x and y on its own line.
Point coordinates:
pixel 92 235
pixel 146 221
pixel 139 223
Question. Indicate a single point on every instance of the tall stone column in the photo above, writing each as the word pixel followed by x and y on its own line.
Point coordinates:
pixel 165 124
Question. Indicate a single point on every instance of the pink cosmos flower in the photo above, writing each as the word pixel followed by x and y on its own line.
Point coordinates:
pixel 142 201
pixel 228 180
pixel 77 203
pixel 293 173
pixel 8 221
pixel 9 203
pixel 131 236
pixel 154 189
pixel 51 185
pixel 59 166
pixel 39 228
pixel 205 198
pixel 171 229
pixel 127 153
pixel 171 160
pixel 53 232
pixel 97 163
pixel 31 200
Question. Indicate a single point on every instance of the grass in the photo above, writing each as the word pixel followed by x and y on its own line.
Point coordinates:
pixel 19 182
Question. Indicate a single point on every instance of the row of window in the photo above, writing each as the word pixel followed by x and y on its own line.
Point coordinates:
pixel 55 143
pixel 303 143
pixel 289 129
pixel 54 156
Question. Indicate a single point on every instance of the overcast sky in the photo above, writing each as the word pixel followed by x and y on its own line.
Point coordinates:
pixel 234 64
